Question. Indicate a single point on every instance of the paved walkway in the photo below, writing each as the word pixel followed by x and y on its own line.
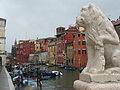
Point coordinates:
pixel 5 80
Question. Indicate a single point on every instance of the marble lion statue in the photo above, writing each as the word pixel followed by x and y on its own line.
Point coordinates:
pixel 102 40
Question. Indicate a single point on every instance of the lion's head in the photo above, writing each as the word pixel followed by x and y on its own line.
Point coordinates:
pixel 97 25
pixel 89 15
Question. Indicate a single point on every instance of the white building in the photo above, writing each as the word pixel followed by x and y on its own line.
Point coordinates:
pixel 33 58
pixel 2 41
pixel 43 57
pixel 39 58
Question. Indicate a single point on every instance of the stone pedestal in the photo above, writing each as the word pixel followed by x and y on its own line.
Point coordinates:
pixel 81 85
pixel 99 81
pixel 99 78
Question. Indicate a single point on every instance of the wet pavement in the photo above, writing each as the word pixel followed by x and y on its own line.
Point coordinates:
pixel 5 80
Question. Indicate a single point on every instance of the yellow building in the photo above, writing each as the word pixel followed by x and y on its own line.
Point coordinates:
pixel 37 45
pixel 52 52
pixel 32 41
pixel 70 54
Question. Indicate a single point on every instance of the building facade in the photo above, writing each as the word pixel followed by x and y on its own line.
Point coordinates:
pixel 70 34
pixel 2 41
pixel 43 57
pixel 52 52
pixel 71 47
pixel 80 50
pixel 23 49
pixel 67 49
pixel 60 46
pixel 70 54
pixel 37 46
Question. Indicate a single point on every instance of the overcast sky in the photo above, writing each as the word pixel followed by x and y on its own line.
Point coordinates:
pixel 29 19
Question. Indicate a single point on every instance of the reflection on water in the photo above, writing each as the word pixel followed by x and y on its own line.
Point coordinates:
pixel 64 82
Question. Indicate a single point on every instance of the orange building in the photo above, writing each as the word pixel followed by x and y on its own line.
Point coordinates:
pixel 76 53
pixel 71 47
pixel 80 50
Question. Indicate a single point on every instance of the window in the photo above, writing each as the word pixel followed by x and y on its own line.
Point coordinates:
pixel 72 60
pixel 37 42
pixel 84 52
pixel 61 38
pixel 78 35
pixel 18 52
pixel 83 34
pixel 32 48
pixel 78 42
pixel 69 60
pixel 21 46
pixel 78 51
pixel 73 36
pixel 21 52
pixel 74 51
pixel 84 42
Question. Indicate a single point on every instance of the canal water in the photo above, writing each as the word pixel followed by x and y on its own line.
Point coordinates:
pixel 64 82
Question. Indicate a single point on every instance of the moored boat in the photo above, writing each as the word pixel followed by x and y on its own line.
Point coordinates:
pixel 70 68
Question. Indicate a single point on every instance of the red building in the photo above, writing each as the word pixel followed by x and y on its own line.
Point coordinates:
pixel 60 46
pixel 23 49
pixel 71 47
pixel 80 50
pixel 70 35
